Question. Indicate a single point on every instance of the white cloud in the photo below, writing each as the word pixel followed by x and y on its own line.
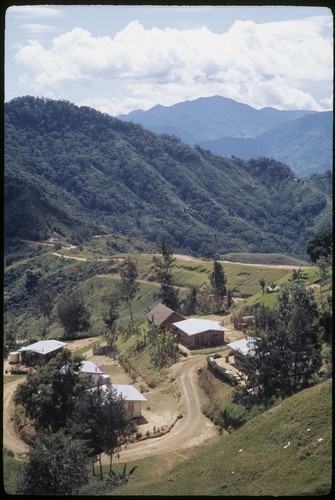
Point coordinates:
pixel 38 29
pixel 30 11
pixel 115 106
pixel 261 64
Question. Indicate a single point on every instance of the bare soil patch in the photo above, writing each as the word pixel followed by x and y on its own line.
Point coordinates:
pixel 75 345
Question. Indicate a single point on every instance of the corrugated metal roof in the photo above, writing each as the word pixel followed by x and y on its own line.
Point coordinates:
pixel 193 326
pixel 89 367
pixel 244 346
pixel 129 393
pixel 44 346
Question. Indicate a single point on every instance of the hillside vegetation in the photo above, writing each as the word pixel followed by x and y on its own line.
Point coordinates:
pixel 81 173
pixel 257 460
pixel 93 269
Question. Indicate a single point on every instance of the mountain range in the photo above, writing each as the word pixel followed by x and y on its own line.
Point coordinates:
pixel 75 172
pixel 301 139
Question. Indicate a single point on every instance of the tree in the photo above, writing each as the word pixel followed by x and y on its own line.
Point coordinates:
pixel 191 301
pixel 73 314
pixel 218 282
pixel 49 394
pixel 44 303
pixel 321 244
pixel 32 279
pixel 287 345
pixel 323 265
pixel 326 320
pixel 297 275
pixel 117 423
pixel 163 346
pixel 104 420
pixel 112 314
pixel 262 284
pixel 163 268
pixel 57 465
pixel 128 286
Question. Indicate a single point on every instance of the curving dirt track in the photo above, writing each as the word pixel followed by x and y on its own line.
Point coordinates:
pixel 11 440
pixel 191 430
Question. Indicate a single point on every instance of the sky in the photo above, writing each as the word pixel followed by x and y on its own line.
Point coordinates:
pixel 120 58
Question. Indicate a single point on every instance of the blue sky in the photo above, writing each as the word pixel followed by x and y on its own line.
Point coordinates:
pixel 120 58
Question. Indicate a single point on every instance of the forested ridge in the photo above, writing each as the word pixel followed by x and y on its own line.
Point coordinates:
pixel 77 172
pixel 304 143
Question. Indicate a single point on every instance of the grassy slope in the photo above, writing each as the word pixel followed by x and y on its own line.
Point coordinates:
pixel 264 466
pixel 89 277
pixel 307 462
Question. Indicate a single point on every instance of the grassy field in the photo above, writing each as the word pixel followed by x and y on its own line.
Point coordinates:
pixel 256 459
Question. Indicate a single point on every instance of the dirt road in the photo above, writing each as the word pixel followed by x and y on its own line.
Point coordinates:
pixel 190 430
pixel 11 440
pixel 188 258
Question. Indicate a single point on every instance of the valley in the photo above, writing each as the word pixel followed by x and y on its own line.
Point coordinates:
pixel 90 198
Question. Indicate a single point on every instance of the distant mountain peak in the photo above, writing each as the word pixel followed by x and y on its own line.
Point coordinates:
pixel 104 172
pixel 218 121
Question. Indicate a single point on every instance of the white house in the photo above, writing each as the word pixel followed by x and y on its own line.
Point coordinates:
pixel 244 346
pixel 132 397
pixel 42 350
pixel 92 371
pixel 197 332
pixel 241 348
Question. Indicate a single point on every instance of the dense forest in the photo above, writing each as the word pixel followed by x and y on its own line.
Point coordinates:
pixel 75 172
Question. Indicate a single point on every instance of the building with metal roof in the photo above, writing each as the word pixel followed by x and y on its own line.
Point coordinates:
pixel 198 332
pixel 132 397
pixel 244 346
pixel 41 351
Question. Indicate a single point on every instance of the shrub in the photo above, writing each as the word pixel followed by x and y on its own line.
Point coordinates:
pixel 234 415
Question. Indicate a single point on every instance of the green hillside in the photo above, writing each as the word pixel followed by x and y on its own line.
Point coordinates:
pixel 264 466
pixel 31 214
pixel 255 460
pixel 96 275
pixel 104 175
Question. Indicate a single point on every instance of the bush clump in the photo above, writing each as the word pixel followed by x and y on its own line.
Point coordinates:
pixel 234 415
